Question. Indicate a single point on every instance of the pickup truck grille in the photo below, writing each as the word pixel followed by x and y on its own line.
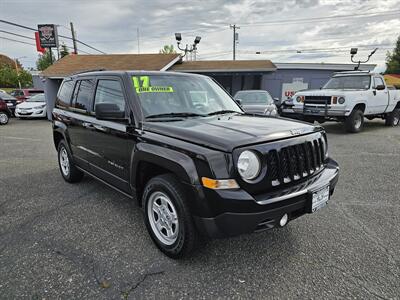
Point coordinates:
pixel 295 162
pixel 317 100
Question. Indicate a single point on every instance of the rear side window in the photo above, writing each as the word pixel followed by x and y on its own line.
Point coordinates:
pixel 84 94
pixel 110 91
pixel 64 94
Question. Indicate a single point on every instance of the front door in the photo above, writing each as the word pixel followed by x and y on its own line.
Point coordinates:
pixel 380 97
pixel 109 139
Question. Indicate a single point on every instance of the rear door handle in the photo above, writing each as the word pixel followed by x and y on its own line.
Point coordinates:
pixel 87 125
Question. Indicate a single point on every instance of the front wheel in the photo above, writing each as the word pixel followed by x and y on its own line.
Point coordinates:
pixel 167 216
pixel 393 118
pixel 3 118
pixel 355 121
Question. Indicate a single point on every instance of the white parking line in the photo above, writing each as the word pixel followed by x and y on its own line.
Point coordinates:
pixel 20 138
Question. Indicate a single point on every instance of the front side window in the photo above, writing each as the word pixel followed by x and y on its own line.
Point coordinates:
pixel 84 92
pixel 110 91
pixel 355 82
pixel 65 93
pixel 378 81
pixel 254 98
pixel 181 95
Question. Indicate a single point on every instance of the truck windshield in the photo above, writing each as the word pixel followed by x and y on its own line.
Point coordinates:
pixel 181 96
pixel 349 82
pixel 254 98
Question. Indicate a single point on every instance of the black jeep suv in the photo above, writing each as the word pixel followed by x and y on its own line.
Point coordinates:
pixel 186 152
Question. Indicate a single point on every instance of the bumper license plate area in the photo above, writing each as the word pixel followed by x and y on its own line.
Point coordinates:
pixel 319 199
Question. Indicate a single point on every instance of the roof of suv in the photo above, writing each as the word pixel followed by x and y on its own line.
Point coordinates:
pixel 133 72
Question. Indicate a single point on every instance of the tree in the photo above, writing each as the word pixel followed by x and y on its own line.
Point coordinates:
pixel 9 77
pixel 393 60
pixel 167 49
pixel 64 51
pixel 44 61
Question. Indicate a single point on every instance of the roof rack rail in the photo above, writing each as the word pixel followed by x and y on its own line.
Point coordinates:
pixel 353 72
pixel 87 71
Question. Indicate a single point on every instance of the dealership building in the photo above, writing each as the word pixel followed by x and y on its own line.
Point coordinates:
pixel 280 79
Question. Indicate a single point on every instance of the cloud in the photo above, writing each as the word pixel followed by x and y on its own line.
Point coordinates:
pixel 112 26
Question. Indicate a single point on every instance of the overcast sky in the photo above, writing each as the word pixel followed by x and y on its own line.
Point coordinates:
pixel 275 28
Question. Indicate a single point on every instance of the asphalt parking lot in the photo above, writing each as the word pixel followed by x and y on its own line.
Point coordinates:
pixel 86 241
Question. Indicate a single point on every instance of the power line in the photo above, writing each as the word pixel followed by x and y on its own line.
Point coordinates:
pixel 63 36
pixel 16 34
pixel 17 41
pixel 318 19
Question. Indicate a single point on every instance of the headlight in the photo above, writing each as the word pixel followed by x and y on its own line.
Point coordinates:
pixel 341 100
pixel 39 107
pixel 298 99
pixel 249 165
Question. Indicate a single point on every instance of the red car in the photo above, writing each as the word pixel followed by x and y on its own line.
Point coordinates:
pixel 5 113
pixel 23 94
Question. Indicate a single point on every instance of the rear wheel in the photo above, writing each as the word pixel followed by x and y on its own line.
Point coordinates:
pixel 355 121
pixel 3 118
pixel 69 172
pixel 167 216
pixel 393 118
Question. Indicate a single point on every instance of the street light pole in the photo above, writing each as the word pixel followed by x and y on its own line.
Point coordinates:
pixel 16 69
pixel 187 49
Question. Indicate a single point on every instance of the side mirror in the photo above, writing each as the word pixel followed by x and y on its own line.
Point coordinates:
pixel 109 111
pixel 238 101
pixel 380 87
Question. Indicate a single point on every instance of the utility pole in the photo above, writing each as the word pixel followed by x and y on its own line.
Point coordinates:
pixel 73 38
pixel 234 27
pixel 138 41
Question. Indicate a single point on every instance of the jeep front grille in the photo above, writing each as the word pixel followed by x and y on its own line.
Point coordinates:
pixel 317 100
pixel 295 162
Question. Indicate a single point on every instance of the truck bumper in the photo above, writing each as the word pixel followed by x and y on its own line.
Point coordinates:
pixel 321 112
pixel 270 208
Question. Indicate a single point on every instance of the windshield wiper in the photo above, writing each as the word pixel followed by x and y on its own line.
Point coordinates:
pixel 221 112
pixel 175 114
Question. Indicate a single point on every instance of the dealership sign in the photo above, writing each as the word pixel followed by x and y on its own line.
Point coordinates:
pixel 289 89
pixel 48 35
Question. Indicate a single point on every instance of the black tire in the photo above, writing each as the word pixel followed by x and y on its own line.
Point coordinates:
pixel 64 159
pixel 355 121
pixel 4 118
pixel 393 118
pixel 186 237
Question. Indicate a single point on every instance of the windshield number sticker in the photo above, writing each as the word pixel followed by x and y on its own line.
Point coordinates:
pixel 146 88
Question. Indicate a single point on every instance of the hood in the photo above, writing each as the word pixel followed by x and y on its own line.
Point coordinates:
pixel 30 104
pixel 258 108
pixel 228 132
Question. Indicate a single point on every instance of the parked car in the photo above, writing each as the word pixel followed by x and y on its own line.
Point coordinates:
pixel 348 97
pixel 10 101
pixel 256 102
pixel 5 113
pixel 183 149
pixel 34 107
pixel 23 94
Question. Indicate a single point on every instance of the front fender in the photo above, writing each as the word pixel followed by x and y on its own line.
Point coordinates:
pixel 177 162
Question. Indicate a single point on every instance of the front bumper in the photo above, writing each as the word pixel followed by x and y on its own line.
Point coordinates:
pixel 248 214
pixel 30 113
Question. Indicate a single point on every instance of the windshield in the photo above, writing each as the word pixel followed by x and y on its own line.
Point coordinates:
pixel 254 98
pixel 349 82
pixel 5 96
pixel 37 98
pixel 183 96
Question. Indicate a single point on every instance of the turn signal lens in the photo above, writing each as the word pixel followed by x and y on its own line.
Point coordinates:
pixel 221 184
pixel 334 100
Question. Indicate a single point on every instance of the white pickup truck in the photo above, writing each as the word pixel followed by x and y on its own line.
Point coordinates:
pixel 348 97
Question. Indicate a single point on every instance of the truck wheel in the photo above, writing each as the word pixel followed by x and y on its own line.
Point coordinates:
pixel 167 216
pixel 393 118
pixel 68 170
pixel 3 118
pixel 355 122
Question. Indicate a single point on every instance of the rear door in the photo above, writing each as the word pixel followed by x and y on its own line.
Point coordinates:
pixel 108 138
pixel 79 118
